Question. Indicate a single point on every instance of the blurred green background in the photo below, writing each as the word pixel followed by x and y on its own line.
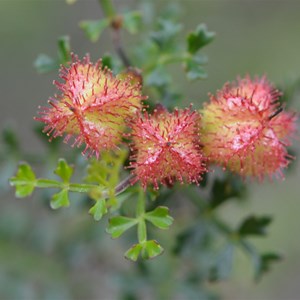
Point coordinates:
pixel 64 254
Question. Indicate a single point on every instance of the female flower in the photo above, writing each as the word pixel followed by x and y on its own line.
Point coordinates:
pixel 245 129
pixel 93 106
pixel 166 147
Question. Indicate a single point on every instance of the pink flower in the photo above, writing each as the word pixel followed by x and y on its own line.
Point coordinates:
pixel 166 148
pixel 245 129
pixel 93 106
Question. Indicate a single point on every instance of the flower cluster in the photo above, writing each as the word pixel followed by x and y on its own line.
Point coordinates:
pixel 93 107
pixel 245 129
pixel 242 128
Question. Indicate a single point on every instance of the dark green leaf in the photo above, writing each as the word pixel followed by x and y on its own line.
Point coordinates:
pixel 254 226
pixel 64 49
pixel 133 252
pixel 225 189
pixel 24 181
pixel 160 217
pixel 151 249
pixel 107 61
pixel 199 38
pixel 93 29
pixel 266 260
pixel 55 143
pixel 10 139
pixel 98 210
pixel 132 21
pixel 63 170
pixel 45 64
pixel 60 199
pixel 118 225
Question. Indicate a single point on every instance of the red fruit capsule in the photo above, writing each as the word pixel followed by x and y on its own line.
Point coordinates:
pixel 245 130
pixel 166 148
pixel 93 106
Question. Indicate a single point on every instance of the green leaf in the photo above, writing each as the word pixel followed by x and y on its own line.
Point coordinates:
pixel 10 140
pixel 225 189
pixel 254 226
pixel 151 249
pixel 63 170
pixel 98 210
pixel 119 224
pixel 158 77
pixel 107 61
pixel 64 49
pixel 133 252
pixel 199 38
pixel 45 64
pixel 148 249
pixel 165 35
pixel 132 21
pixel 93 29
pixel 60 199
pixel 160 217
pixel 224 263
pixel 266 260
pixel 24 181
pixel 195 71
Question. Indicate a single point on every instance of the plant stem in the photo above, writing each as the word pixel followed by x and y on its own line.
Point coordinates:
pixel 140 211
pixel 82 187
pixel 110 12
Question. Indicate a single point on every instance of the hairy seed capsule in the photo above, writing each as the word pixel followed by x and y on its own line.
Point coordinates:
pixel 166 148
pixel 245 129
pixel 93 106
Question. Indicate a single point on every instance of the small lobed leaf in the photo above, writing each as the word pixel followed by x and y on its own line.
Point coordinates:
pixel 266 260
pixel 98 209
pixel 147 249
pixel 225 189
pixel 60 199
pixel 119 224
pixel 45 64
pixel 63 170
pixel 132 21
pixel 10 140
pixel 199 38
pixel 134 252
pixel 158 77
pixel 64 49
pixel 151 249
pixel 107 61
pixel 167 31
pixel 194 71
pixel 24 181
pixel 254 226
pixel 224 263
pixel 93 28
pixel 160 217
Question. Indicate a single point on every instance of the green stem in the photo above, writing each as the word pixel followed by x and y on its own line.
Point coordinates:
pixel 140 212
pixel 108 8
pixel 110 12
pixel 82 187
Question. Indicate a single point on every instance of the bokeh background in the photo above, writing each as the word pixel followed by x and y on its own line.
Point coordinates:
pixel 64 254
